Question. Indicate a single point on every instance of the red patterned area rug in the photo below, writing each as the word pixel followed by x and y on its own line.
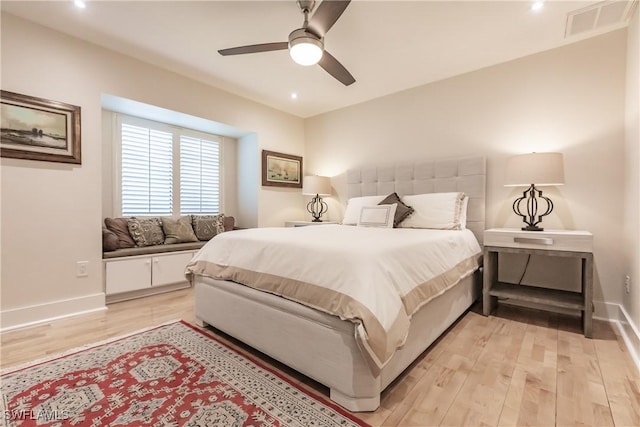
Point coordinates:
pixel 172 375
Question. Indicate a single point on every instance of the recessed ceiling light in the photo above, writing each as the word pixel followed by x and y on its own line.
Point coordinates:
pixel 537 6
pixel 80 4
pixel 294 95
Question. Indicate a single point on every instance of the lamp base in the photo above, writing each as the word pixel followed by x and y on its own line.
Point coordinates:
pixel 532 217
pixel 316 207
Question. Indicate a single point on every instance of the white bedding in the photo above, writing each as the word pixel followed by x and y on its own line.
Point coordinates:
pixel 374 277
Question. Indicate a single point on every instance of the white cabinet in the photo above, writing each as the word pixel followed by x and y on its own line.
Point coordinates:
pixel 145 272
pixel 129 274
pixel 167 269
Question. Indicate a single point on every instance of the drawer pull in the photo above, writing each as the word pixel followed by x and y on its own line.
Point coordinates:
pixel 534 240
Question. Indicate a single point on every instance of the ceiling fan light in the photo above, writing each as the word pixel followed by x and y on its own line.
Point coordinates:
pixel 306 50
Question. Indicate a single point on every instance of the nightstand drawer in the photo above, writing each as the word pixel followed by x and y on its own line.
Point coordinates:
pixel 552 240
pixel 307 223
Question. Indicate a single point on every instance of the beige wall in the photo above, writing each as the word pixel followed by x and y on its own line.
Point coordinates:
pixel 51 213
pixel 631 301
pixel 569 99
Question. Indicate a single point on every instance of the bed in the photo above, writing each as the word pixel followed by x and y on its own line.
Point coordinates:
pixel 341 350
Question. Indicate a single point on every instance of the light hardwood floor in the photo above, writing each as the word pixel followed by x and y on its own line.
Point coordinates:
pixel 519 367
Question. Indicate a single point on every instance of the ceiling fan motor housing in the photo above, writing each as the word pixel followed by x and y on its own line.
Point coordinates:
pixel 302 35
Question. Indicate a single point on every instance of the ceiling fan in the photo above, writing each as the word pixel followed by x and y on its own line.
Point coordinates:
pixel 306 44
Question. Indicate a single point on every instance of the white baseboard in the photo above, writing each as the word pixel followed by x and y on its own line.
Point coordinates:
pixel 42 313
pixel 616 314
pixel 630 335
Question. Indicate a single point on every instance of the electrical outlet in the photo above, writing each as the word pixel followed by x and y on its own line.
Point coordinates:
pixel 82 268
pixel 627 284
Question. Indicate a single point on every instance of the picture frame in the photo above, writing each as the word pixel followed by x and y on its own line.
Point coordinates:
pixel 39 129
pixel 281 170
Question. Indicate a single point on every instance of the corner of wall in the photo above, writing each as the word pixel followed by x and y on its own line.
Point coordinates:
pixel 631 301
pixel 248 178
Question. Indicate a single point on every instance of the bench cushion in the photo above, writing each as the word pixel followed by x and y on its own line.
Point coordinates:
pixel 155 249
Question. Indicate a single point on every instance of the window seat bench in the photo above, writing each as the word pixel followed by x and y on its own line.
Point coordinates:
pixel 146 270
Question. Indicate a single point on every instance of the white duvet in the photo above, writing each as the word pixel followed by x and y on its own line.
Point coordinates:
pixel 375 277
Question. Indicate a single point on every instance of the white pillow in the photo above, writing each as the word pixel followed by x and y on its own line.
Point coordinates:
pixel 440 211
pixel 377 216
pixel 354 206
pixel 463 212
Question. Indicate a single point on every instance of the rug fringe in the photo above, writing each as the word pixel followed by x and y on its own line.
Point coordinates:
pixel 45 359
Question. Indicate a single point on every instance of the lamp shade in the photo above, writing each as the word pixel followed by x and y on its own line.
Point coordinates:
pixel 534 168
pixel 313 185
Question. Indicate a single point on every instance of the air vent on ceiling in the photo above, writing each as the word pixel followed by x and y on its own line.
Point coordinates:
pixel 599 17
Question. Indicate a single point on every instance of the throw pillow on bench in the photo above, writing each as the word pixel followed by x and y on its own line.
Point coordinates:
pixel 121 233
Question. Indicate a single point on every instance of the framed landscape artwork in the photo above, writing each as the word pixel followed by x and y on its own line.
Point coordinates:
pixel 39 129
pixel 281 170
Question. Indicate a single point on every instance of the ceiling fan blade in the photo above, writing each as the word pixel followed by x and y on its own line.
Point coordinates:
pixel 254 48
pixel 326 15
pixel 336 69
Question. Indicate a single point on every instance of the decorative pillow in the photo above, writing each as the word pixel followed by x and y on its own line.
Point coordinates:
pixel 354 206
pixel 440 211
pixel 109 240
pixel 229 223
pixel 121 229
pixel 178 230
pixel 207 226
pixel 146 231
pixel 402 211
pixel 377 216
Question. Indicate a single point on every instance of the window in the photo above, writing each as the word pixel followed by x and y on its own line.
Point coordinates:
pixel 199 176
pixel 166 170
pixel 147 171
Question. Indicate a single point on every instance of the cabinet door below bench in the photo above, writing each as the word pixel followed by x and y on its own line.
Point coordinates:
pixel 169 268
pixel 128 275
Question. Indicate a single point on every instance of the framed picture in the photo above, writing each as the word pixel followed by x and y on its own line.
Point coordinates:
pixel 39 129
pixel 281 170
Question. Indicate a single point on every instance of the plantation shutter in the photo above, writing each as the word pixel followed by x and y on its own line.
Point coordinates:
pixel 147 171
pixel 199 176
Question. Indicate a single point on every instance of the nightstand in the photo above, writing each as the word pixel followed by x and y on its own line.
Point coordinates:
pixel 557 243
pixel 305 223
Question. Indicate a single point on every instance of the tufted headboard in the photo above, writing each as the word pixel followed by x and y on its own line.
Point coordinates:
pixel 462 174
